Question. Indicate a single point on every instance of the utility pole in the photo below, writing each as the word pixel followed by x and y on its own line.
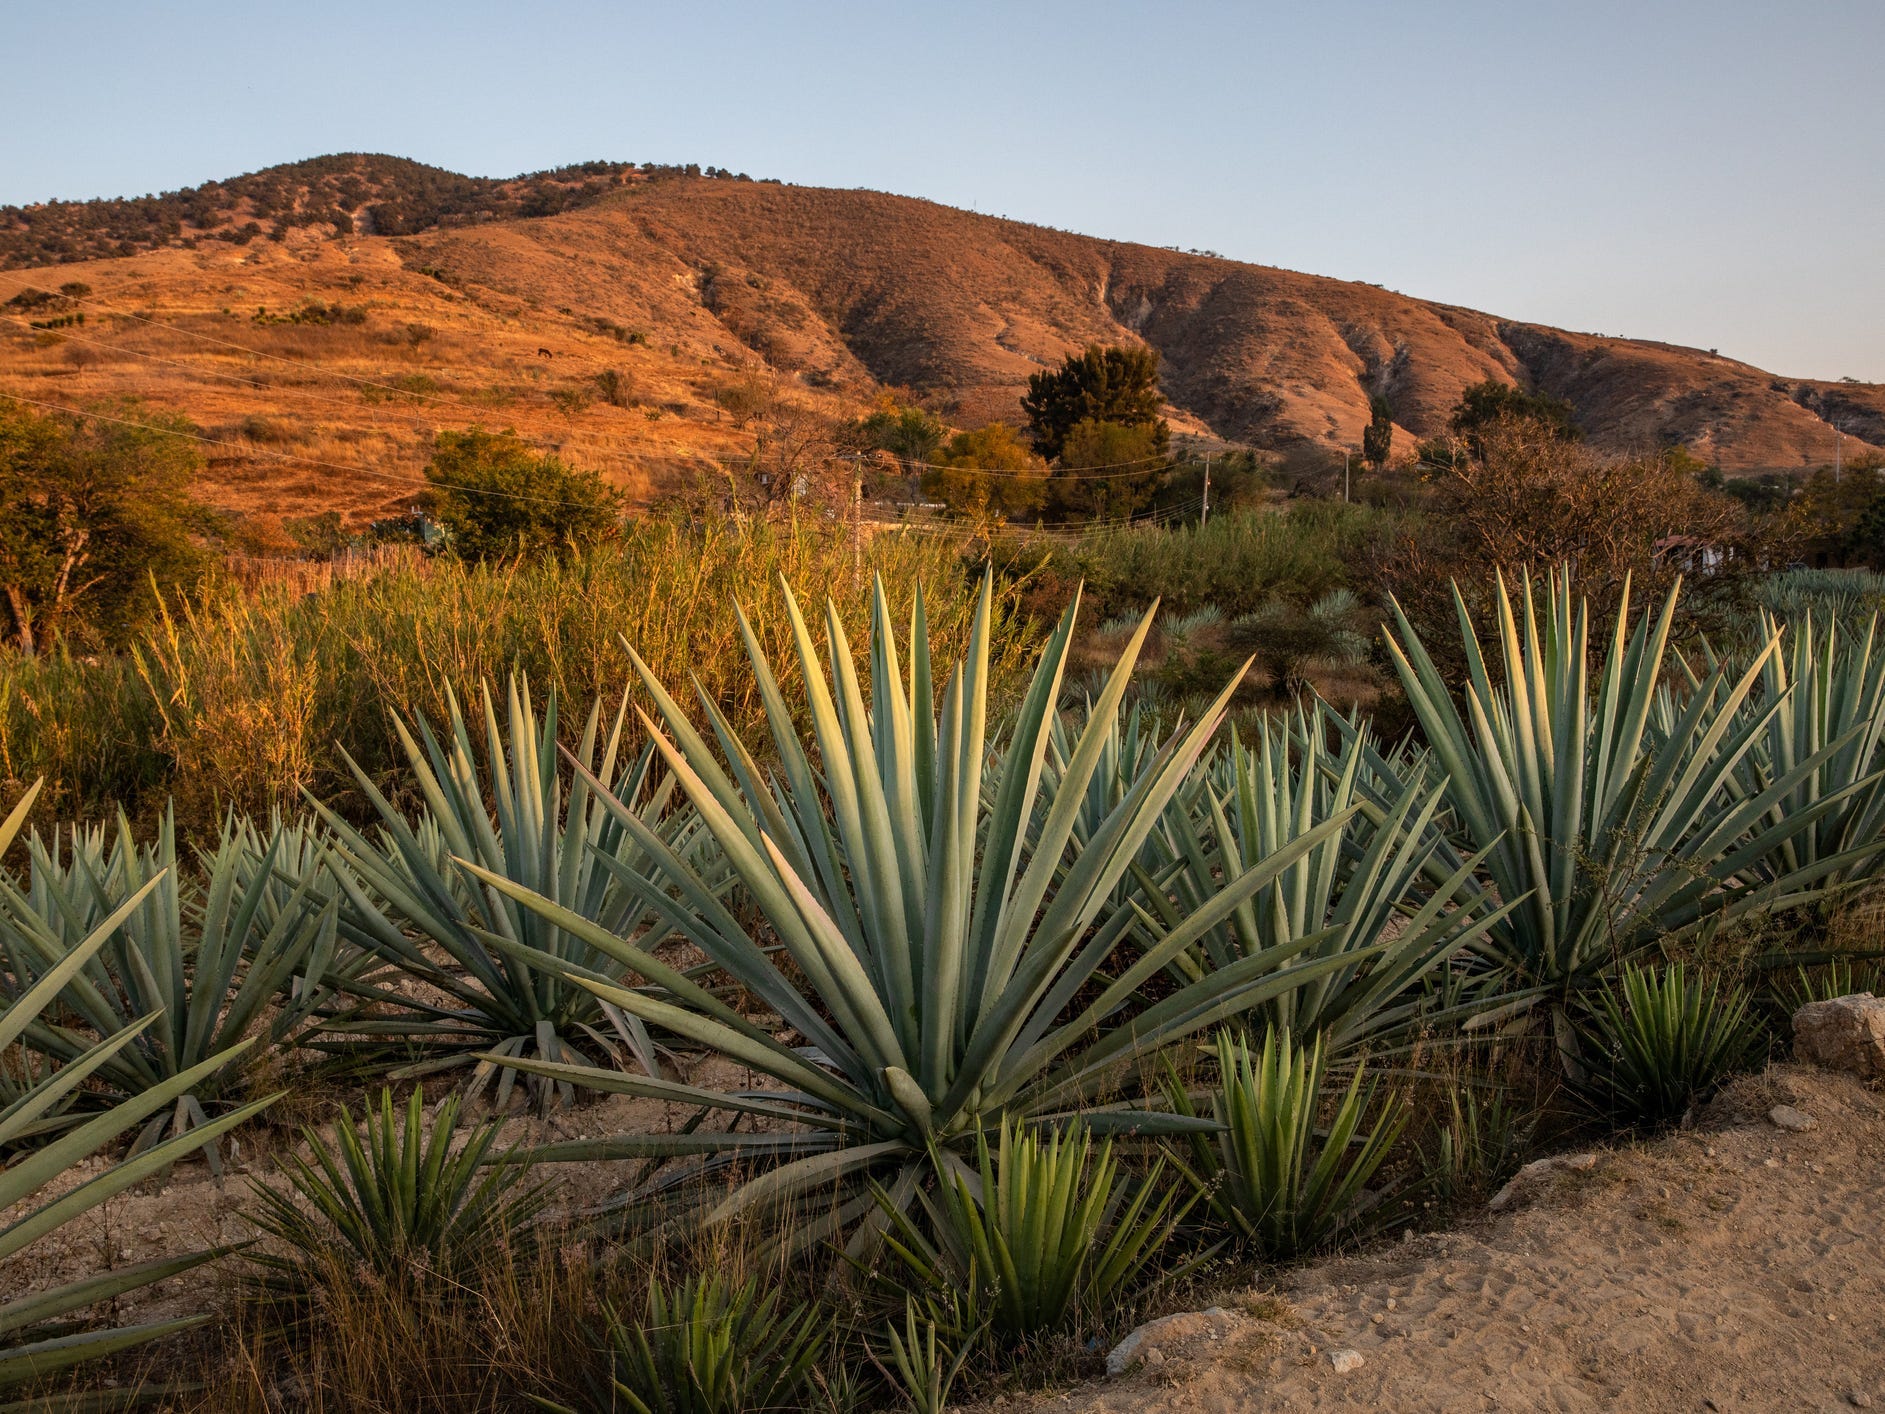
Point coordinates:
pixel 857 521
pixel 1204 516
pixel 1346 458
pixel 1839 445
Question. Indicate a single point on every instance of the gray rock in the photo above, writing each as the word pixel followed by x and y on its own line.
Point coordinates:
pixel 1154 1337
pixel 1538 1170
pixel 1346 1360
pixel 1788 1118
pixel 1846 1033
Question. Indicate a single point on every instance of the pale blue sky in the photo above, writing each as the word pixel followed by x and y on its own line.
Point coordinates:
pixel 1710 174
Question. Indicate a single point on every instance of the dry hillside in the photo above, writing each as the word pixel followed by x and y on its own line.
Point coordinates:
pixel 501 302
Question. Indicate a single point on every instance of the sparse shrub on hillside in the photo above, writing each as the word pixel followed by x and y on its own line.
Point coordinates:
pixel 617 388
pixel 496 498
pixel 1492 403
pixel 745 399
pixel 569 401
pixel 1378 440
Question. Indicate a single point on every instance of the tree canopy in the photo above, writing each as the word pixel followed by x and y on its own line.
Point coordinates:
pixel 988 471
pixel 1109 384
pixel 93 514
pixel 1490 402
pixel 496 498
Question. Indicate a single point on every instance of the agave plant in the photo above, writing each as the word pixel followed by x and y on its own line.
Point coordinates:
pixel 1661 1041
pixel 1383 899
pixel 1270 1174
pixel 1607 834
pixel 203 971
pixel 943 967
pixel 1048 1224
pixel 37 1335
pixel 405 893
pixel 712 1346
pixel 408 1198
pixel 1830 687
pixel 927 1355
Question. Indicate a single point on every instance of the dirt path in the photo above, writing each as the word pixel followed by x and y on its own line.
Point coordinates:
pixel 1734 1267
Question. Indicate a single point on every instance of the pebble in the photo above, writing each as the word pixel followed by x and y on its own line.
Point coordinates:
pixel 1859 1399
pixel 1794 1121
pixel 1346 1360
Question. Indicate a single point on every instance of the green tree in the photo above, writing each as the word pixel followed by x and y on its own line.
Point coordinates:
pixel 1107 471
pixel 989 471
pixel 1112 384
pixel 903 431
pixel 93 513
pixel 1378 440
pixel 496 498
pixel 1485 404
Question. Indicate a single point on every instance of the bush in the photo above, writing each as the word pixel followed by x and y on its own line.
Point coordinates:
pixel 496 499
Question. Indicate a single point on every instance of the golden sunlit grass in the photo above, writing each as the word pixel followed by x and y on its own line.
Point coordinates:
pixel 310 417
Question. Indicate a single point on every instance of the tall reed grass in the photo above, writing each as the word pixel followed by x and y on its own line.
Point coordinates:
pixel 244 699
pixel 1236 562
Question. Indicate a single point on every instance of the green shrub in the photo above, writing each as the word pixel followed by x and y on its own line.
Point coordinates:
pixel 497 499
pixel 1481 1143
pixel 1662 1041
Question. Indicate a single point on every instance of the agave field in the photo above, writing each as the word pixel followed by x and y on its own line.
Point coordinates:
pixel 981 1018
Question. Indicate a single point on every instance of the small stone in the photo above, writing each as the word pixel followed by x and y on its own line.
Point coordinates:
pixel 1794 1121
pixel 1346 1360
pixel 1390 1303
pixel 1858 1399
pixel 1770 1163
pixel 1154 1356
pixel 1377 1318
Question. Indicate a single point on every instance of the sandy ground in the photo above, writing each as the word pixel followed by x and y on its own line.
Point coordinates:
pixel 1732 1267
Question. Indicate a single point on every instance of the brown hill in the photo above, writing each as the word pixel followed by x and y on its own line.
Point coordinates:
pixel 320 352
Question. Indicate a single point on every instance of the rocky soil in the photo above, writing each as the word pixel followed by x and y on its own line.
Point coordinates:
pixel 1739 1265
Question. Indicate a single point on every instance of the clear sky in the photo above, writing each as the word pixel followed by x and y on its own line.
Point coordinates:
pixel 1706 173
